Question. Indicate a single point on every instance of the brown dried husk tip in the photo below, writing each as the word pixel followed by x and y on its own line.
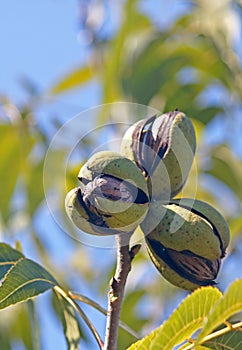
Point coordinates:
pixel 163 147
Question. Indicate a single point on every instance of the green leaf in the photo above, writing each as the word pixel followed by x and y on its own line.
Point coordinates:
pixel 15 145
pixel 5 342
pixel 8 257
pixel 227 168
pixel 235 225
pixel 129 316
pixel 227 306
pixel 133 27
pixel 207 114
pixel 15 323
pixel 69 321
pixel 183 322
pixel 184 96
pixel 24 280
pixel 33 319
pixel 10 164
pixel 34 188
pixel 150 74
pixel 72 80
pixel 228 341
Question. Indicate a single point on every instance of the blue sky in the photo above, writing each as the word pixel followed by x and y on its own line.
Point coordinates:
pixel 38 41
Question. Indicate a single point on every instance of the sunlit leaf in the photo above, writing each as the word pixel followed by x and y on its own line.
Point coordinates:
pixel 235 226
pixel 227 306
pixel 24 280
pixel 183 322
pixel 73 80
pixel 10 164
pixel 15 146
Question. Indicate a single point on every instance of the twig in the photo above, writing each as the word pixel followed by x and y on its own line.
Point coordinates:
pixel 88 301
pixel 81 313
pixel 117 284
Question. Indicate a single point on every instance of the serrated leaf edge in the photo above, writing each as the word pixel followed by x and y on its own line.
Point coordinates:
pixel 24 284
pixel 14 263
pixel 218 303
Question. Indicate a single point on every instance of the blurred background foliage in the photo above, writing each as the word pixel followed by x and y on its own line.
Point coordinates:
pixel 192 63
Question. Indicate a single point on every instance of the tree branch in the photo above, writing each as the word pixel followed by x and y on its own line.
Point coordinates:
pixel 76 307
pixel 117 284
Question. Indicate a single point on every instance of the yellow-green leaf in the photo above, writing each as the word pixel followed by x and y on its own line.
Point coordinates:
pixel 72 80
pixel 235 225
pixel 229 305
pixel 183 322
pixel 34 187
pixel 10 164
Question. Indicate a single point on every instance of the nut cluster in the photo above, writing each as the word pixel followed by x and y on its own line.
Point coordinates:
pixel 185 238
pixel 112 196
